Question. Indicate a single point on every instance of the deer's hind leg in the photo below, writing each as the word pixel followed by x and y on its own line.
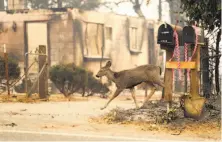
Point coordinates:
pixel 134 97
pixel 146 90
pixel 153 89
pixel 160 83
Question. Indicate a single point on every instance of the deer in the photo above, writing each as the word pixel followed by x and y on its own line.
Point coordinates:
pixel 128 79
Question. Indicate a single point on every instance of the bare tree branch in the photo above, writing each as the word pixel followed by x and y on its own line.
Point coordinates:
pixel 115 3
pixel 136 5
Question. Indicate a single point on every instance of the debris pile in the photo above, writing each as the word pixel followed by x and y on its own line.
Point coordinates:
pixel 155 114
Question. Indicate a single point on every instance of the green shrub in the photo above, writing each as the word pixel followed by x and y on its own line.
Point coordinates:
pixel 70 79
pixel 13 70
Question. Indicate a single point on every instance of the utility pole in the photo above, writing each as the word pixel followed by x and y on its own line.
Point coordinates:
pixel 6 70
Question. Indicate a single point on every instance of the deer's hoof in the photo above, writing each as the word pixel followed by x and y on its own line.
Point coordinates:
pixel 142 107
pixel 102 108
pixel 137 107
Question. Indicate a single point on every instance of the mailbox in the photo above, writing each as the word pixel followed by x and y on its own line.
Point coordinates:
pixel 189 35
pixel 165 35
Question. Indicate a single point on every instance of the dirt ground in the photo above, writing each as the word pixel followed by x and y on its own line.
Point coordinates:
pixel 84 115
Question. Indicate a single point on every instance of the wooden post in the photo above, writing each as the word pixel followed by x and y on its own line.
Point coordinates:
pixel 168 82
pixel 6 70
pixel 195 78
pixel 43 78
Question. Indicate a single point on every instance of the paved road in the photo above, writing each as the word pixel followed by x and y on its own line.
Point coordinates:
pixel 41 137
pixel 11 135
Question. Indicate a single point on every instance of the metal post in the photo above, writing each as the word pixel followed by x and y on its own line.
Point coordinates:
pixel 26 79
pixel 6 70
pixel 26 74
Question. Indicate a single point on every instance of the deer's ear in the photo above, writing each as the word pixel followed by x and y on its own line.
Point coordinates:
pixel 108 64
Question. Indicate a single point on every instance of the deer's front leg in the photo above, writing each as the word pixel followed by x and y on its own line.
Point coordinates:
pixel 118 91
pixel 134 97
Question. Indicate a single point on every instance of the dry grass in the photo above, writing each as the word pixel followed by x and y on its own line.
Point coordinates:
pixel 35 98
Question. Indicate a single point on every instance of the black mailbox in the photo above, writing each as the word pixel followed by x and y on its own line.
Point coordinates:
pixel 189 35
pixel 165 35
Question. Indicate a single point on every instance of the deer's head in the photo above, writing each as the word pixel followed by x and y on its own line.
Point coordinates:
pixel 103 71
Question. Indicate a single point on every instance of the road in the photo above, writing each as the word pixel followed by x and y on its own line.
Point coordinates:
pixel 72 121
pixel 15 135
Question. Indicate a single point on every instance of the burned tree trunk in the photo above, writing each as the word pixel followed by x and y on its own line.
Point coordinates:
pixel 205 70
pixel 217 62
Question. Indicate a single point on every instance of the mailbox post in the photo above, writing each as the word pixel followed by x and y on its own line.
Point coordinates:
pixel 194 104
pixel 167 42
